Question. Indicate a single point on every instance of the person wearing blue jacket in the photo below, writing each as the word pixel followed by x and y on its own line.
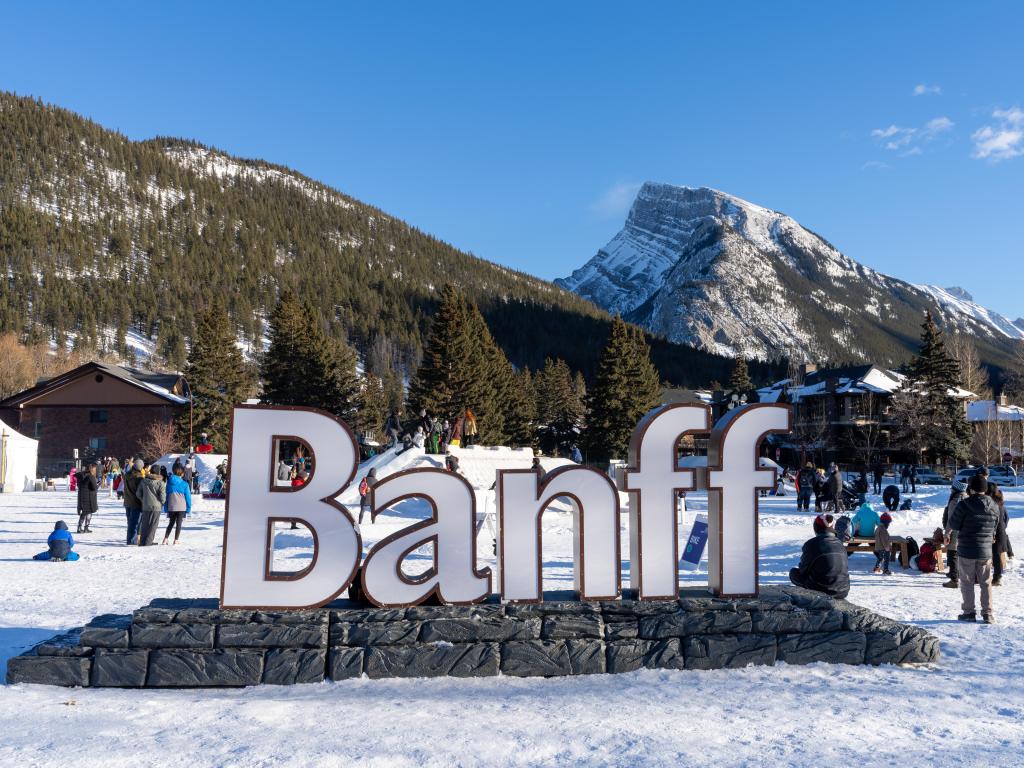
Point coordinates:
pixel 178 503
pixel 865 521
pixel 59 545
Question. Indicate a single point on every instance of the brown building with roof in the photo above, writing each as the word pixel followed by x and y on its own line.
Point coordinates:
pixel 98 409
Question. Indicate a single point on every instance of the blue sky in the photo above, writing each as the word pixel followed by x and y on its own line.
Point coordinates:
pixel 519 131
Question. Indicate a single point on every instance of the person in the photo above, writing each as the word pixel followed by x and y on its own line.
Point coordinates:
pixel 408 442
pixel 823 563
pixel 59 545
pixel 300 479
pixel 975 520
pixel 178 502
pixel 804 487
pixel 865 520
pixel 73 480
pixel 132 505
pixel 883 544
pixel 284 471
pixel 186 473
pixel 393 428
pixel 844 529
pixel 913 479
pixel 999 544
pixel 538 468
pixel 958 492
pixel 419 439
pixel 820 490
pixel 834 486
pixel 878 471
pixel 455 436
pixel 891 497
pixel 927 557
pixel 365 486
pixel 204 446
pixel 451 463
pixel 862 487
pixel 469 429
pixel 152 497
pixel 575 454
pixel 88 503
pixel 905 478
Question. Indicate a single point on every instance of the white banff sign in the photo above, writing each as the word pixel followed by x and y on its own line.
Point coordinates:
pixel 652 480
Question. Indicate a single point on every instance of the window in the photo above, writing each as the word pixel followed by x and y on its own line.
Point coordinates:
pixel 98 443
pixel 97 417
pixel 37 429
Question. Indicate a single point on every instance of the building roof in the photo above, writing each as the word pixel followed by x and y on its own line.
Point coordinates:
pixel 168 386
pixel 990 410
pixel 847 380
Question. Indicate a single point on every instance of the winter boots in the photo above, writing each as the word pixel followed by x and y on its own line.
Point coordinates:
pixel 972 616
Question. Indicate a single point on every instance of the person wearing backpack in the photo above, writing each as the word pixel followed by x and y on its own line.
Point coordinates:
pixel 844 529
pixel 365 485
pixel 805 487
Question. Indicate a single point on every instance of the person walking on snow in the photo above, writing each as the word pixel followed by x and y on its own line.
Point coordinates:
pixel 835 489
pixel 365 486
pixel 878 472
pixel 975 520
pixel 178 502
pixel 88 503
pixel 805 487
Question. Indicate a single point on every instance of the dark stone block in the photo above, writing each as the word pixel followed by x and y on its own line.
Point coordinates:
pixel 347 616
pixel 67 671
pixel 832 647
pixel 479 630
pixel 540 610
pixel 154 615
pixel 621 630
pixel 375 633
pixel 119 668
pixel 272 636
pixel 857 619
pixel 562 626
pixel 290 666
pixel 201 669
pixel 384 614
pixel 104 637
pixel 809 599
pixel 906 645
pixel 681 624
pixel 207 616
pixel 728 651
pixel 631 655
pixel 172 635
pixel 65 644
pixel 548 658
pixel 440 660
pixel 487 610
pixel 797 620
pixel 344 663
pixel 291 617
pixel 633 608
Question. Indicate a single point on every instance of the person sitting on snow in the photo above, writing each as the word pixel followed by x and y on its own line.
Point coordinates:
pixel 823 563
pixel 60 544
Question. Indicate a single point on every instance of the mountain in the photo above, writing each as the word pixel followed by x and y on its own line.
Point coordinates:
pixel 705 268
pixel 116 245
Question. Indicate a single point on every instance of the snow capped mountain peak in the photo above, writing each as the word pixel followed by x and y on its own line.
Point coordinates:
pixel 705 268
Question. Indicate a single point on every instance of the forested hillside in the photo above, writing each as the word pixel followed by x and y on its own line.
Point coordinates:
pixel 101 237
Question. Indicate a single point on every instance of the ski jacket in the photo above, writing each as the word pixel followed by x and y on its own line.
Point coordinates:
pixel 823 565
pixel 883 541
pixel 179 495
pixel 865 520
pixel 60 542
pixel 87 487
pixel 975 518
pixel 152 493
pixel 131 489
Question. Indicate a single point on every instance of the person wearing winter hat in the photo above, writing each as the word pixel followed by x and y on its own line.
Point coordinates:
pixel 975 520
pixel 804 487
pixel 883 544
pixel 823 563
pixel 957 494
pixel 59 545
pixel 132 505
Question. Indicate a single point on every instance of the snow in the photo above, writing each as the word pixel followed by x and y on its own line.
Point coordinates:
pixel 965 710
pixel 990 410
pixel 958 301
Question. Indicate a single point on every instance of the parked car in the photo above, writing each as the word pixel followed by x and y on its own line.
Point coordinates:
pixel 929 476
pixel 999 474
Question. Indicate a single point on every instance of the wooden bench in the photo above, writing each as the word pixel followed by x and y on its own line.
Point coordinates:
pixel 865 544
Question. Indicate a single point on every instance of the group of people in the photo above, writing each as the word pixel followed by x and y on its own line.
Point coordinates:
pixel 826 489
pixel 973 533
pixel 433 435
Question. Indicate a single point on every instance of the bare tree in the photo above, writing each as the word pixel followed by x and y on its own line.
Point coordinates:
pixel 867 436
pixel 161 438
pixel 17 369
pixel 811 428
pixel 973 376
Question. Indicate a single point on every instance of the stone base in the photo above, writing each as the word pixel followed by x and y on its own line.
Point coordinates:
pixel 193 644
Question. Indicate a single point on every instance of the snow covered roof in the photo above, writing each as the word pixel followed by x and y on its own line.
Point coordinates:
pixel 850 380
pixel 168 386
pixel 990 410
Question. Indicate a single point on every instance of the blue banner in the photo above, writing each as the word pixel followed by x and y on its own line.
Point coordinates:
pixel 695 544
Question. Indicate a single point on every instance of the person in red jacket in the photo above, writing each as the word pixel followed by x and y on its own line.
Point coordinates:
pixel 205 446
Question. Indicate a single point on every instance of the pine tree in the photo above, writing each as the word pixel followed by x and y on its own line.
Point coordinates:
pixel 217 376
pixel 560 412
pixel 373 405
pixel 739 379
pixel 521 417
pixel 282 367
pixel 936 423
pixel 625 388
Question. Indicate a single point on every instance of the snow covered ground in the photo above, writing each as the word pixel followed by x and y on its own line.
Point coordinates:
pixel 966 710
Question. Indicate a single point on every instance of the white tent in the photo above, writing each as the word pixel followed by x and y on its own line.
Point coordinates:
pixel 17 460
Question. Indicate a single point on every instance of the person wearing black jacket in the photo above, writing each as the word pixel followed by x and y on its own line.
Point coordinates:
pixel 975 520
pixel 999 545
pixel 132 505
pixel 87 501
pixel 878 471
pixel 823 563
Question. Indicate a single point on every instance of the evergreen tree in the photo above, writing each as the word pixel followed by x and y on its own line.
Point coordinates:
pixel 937 423
pixel 739 379
pixel 521 418
pixel 217 376
pixel 560 411
pixel 373 405
pixel 281 369
pixel 625 388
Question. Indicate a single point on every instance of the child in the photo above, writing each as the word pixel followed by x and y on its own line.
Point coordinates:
pixel 883 544
pixel 59 545
pixel 927 559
